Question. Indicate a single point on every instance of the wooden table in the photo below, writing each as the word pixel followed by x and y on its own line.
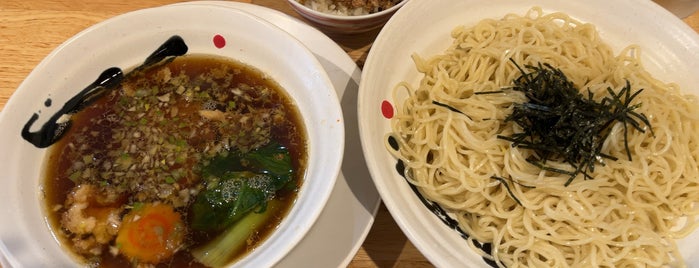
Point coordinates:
pixel 31 29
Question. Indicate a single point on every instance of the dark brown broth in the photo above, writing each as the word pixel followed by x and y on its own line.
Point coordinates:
pixel 63 155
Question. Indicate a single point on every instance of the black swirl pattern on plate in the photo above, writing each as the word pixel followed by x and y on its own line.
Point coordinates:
pixel 438 211
pixel 55 127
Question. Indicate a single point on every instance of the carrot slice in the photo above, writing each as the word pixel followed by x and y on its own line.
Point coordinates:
pixel 150 233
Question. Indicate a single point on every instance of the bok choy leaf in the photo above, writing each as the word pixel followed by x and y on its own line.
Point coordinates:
pixel 239 183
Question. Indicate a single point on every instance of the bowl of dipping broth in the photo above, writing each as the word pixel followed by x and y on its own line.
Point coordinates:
pixel 187 134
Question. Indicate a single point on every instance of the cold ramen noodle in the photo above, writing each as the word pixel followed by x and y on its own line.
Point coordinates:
pixel 190 162
pixel 542 143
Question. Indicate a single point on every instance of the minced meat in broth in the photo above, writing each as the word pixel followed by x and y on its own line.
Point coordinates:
pixel 146 143
pixel 350 7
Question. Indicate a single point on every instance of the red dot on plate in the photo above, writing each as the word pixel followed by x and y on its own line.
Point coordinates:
pixel 387 109
pixel 219 41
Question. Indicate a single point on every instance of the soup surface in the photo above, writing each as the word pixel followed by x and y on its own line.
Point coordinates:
pixel 159 170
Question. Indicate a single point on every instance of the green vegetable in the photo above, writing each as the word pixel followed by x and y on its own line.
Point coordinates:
pixel 238 183
pixel 219 251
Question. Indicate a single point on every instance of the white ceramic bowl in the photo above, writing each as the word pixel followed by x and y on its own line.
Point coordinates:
pixel 345 24
pixel 670 53
pixel 125 41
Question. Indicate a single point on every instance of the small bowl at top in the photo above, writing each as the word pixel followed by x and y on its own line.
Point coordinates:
pixel 329 16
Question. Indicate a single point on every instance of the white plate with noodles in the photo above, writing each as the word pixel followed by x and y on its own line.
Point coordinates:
pixel 444 158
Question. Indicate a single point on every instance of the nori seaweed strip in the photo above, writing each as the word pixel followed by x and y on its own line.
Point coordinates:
pixel 560 123
pixel 507 187
pixel 450 108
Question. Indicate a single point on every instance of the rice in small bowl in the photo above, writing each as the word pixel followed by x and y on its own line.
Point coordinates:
pixel 347 16
pixel 350 7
